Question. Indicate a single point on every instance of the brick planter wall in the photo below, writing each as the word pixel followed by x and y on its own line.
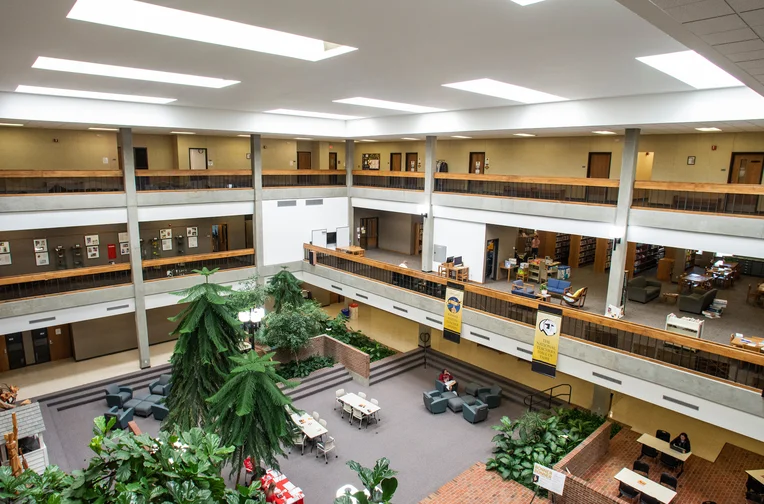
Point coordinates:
pixel 353 359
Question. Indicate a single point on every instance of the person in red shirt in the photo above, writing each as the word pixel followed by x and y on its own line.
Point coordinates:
pixel 270 494
pixel 448 379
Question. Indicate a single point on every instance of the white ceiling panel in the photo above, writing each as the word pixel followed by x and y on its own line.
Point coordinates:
pixel 716 25
pixel 727 37
pixel 739 47
pixel 754 17
pixel 696 11
pixel 746 5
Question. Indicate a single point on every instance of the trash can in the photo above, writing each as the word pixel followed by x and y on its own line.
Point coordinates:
pixel 353 307
pixel 345 312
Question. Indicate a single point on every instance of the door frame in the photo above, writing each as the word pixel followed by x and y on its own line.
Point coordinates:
pixel 391 160
pixel 206 158
pixel 365 236
pixel 589 164
pixel 416 161
pixel 494 273
pixel 469 160
pixel 732 164
pixel 310 153
pixel 331 155
pixel 147 158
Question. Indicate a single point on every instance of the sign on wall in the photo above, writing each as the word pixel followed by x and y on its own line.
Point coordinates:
pixel 548 478
pixel 546 341
pixel 452 318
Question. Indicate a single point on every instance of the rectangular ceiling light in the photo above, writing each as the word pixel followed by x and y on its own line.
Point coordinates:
pixel 243 136
pixel 307 113
pixel 499 89
pixel 526 2
pixel 74 93
pixel 368 140
pixel 182 133
pixel 371 102
pixel 604 132
pixel 150 18
pixel 708 130
pixel 15 125
pixel 304 139
pixel 524 135
pixel 409 139
pixel 691 68
pixel 104 129
pixel 84 67
pixel 460 136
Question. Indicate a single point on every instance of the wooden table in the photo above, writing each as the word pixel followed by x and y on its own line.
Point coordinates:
pixel 734 267
pixel 753 343
pixel 695 279
pixel 757 474
pixel 460 273
pixel 665 296
pixel 664 447
pixel 308 425
pixel 352 250
pixel 509 271
pixel 645 485
pixel 544 297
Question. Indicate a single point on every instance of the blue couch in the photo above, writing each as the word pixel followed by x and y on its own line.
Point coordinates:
pixel 117 395
pixel 437 402
pixel 559 287
pixel 123 416
pixel 521 289
pixel 161 386
pixel 476 412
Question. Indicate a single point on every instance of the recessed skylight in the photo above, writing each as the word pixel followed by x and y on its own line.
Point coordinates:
pixel 526 2
pixel 708 130
pixel 104 129
pixel 499 89
pixel 150 18
pixel 15 125
pixel 75 93
pixel 524 135
pixel 691 68
pixel 83 67
pixel 604 132
pixel 307 113
pixel 460 136
pixel 371 102
pixel 409 139
pixel 182 133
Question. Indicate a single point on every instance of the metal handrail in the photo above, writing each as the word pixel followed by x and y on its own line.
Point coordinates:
pixel 528 401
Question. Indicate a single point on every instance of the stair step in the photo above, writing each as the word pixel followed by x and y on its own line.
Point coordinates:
pixel 386 374
pixel 397 359
pixel 321 386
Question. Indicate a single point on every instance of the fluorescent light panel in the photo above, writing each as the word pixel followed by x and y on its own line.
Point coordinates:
pixel 243 136
pixel 383 104
pixel 120 72
pixel 708 130
pixel 368 140
pixel 104 129
pixel 691 68
pixel 182 133
pixel 524 135
pixel 305 139
pixel 307 113
pixel 150 18
pixel 409 139
pixel 506 91
pixel 15 125
pixel 526 2
pixel 75 93
pixel 460 136
pixel 604 132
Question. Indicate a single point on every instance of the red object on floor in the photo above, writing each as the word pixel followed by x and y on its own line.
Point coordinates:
pixel 290 494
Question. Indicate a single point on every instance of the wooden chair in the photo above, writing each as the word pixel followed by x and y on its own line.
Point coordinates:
pixel 576 299
pixel 753 293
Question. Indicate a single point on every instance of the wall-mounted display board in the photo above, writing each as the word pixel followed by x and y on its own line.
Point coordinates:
pixel 5 259
pixel 124 248
pixel 123 237
pixel 166 244
pixel 370 161
pixel 92 240
pixel 192 231
pixel 40 245
pixel 5 247
pixel 193 241
pixel 41 258
pixel 165 234
pixel 93 252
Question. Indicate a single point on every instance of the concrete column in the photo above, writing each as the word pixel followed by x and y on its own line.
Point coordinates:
pixel 601 400
pixel 349 164
pixel 625 195
pixel 428 228
pixel 125 139
pixel 256 158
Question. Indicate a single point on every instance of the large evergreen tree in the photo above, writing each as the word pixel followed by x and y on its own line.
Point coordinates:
pixel 250 412
pixel 209 333
pixel 285 289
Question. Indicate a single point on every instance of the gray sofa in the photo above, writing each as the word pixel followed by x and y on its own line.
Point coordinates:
pixel 697 301
pixel 642 290
pixel 161 386
pixel 123 416
pixel 490 395
pixel 441 387
pixel 475 413
pixel 437 402
pixel 117 395
pixel 160 411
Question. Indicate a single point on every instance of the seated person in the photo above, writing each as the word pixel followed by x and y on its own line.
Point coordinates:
pixel 683 442
pixel 270 493
pixel 447 378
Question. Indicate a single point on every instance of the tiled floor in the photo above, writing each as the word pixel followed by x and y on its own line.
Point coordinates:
pixel 722 481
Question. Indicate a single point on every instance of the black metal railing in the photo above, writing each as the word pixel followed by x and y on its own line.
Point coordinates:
pixel 22 288
pixel 192 181
pixel 185 267
pixel 61 184
pixel 530 190
pixel 294 178
pixel 407 183
pixel 694 201
pixel 546 397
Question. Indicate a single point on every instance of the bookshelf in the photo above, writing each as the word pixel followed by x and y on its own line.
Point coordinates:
pixel 417 238
pixel 562 248
pixel 582 251
pixel 646 256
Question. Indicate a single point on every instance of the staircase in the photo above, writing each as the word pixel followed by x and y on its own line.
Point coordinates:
pixel 395 365
pixel 318 381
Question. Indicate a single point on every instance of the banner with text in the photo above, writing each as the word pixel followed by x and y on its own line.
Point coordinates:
pixel 546 340
pixel 452 318
pixel 548 478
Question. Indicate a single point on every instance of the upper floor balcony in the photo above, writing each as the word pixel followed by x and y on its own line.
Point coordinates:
pixel 38 182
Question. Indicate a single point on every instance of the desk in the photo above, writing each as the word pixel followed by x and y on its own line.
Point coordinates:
pixel 753 343
pixel 356 402
pixel 645 485
pixel 734 267
pixel 290 494
pixel 664 447
pixel 509 270
pixel 352 250
pixel 459 273
pixel 695 279
pixel 757 474
pixel 308 425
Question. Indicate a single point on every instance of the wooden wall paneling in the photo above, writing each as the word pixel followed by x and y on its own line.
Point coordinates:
pixel 631 254
pixel 575 250
pixel 600 255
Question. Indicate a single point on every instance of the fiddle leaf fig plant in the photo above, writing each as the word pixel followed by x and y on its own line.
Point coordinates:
pixel 380 484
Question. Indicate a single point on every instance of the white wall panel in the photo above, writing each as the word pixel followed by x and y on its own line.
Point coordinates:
pixel 17 221
pixel 67 316
pixel 173 212
pixel 388 206
pixel 462 238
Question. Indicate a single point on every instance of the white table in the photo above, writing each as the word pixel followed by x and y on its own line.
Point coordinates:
pixel 664 447
pixel 645 485
pixel 758 475
pixel 308 425
pixel 363 405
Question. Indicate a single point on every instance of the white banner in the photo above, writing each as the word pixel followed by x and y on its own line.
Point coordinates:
pixel 548 478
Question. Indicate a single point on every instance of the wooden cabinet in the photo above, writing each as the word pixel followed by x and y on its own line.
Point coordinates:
pixel 665 269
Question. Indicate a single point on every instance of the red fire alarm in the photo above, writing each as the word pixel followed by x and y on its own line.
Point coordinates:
pixel 713 147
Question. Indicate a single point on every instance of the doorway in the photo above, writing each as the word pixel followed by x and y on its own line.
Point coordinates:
pixel 219 237
pixel 477 162
pixel 14 344
pixel 141 158
pixel 492 259
pixel 395 161
pixel 412 158
pixel 332 160
pixel 369 233
pixel 197 159
pixel 598 167
pixel 60 342
pixel 745 168
pixel 303 160
pixel 40 345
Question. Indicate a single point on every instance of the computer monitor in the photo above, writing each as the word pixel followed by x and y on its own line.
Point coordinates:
pixel 458 261
pixel 449 259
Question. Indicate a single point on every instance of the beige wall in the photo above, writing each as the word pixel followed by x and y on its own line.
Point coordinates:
pixel 384 149
pixel 226 153
pixel 35 149
pixel 645 166
pixel 161 151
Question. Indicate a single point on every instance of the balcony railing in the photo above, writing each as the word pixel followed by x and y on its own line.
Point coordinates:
pixel 60 182
pixel 303 178
pixel 171 267
pixel 61 281
pixel 567 189
pixel 737 199
pixel 408 181
pixel 187 180
pixel 721 362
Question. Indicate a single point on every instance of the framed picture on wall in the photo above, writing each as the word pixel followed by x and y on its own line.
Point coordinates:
pixel 41 245
pixel 192 231
pixel 41 259
pixel 92 240
pixel 690 160
pixel 165 234
pixel 5 259
pixel 124 249
pixel 370 161
pixel 193 242
pixel 5 247
pixel 93 252
pixel 123 237
pixel 167 244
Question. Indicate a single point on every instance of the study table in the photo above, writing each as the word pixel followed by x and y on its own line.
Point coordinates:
pixel 664 447
pixel 352 250
pixel 508 269
pixel 753 343
pixel 694 279
pixel 308 425
pixel 286 492
pixel 358 403
pixel 645 485
pixel 460 273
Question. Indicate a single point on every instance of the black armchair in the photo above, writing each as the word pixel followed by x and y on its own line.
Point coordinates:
pixel 161 386
pixel 123 416
pixel 160 411
pixel 490 395
pixel 627 492
pixel 118 395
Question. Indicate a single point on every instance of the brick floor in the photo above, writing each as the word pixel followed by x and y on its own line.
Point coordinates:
pixel 478 485
pixel 722 481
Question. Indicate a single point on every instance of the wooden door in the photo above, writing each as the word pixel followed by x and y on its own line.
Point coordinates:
pixel 60 340
pixel 745 169
pixel 4 366
pixel 477 162
pixel 303 160
pixel 370 233
pixel 395 161
pixel 332 160
pixel 599 167
pixel 197 159
pixel 412 159
pixel 219 237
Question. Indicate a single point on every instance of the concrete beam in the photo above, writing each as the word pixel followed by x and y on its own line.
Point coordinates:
pixel 55 202
pixel 693 222
pixel 44 304
pixel 400 195
pixel 349 164
pixel 161 198
pixel 304 193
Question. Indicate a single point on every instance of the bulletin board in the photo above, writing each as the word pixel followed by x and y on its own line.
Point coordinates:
pixel 370 161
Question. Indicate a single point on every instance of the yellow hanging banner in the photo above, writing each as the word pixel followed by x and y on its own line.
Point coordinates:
pixel 546 341
pixel 452 317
